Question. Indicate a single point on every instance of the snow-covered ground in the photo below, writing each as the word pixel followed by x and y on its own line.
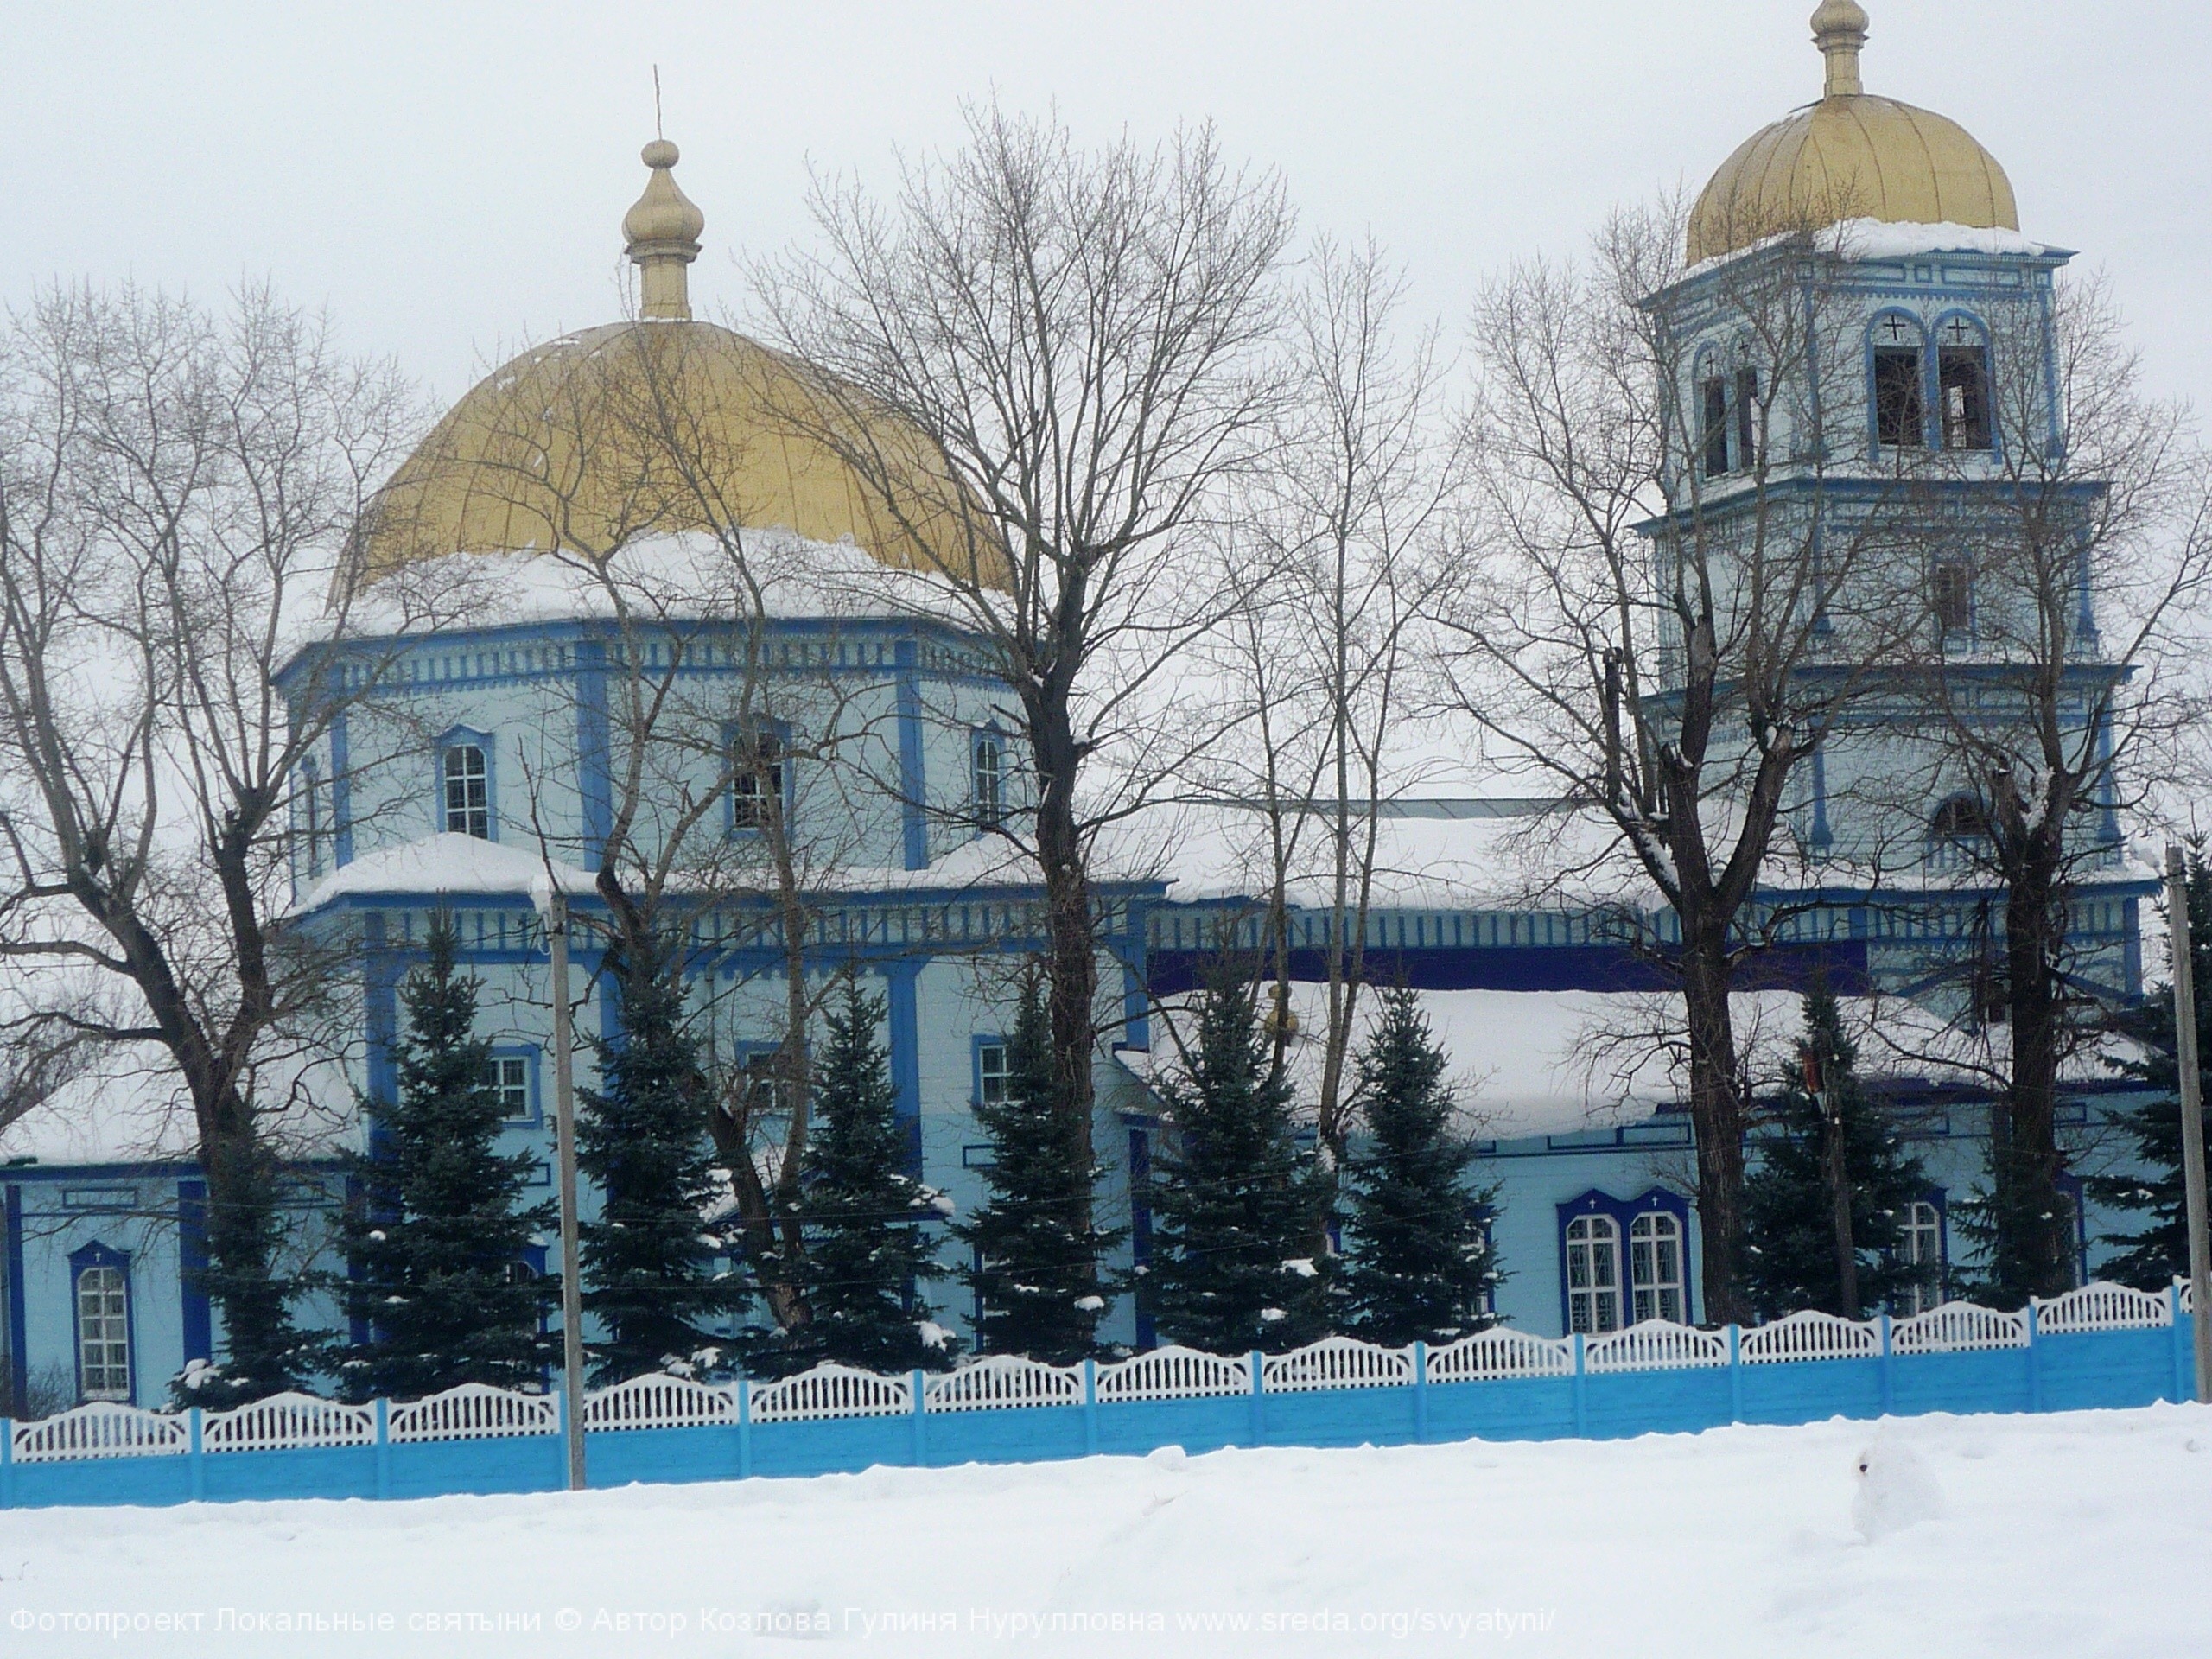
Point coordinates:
pixel 2080 1534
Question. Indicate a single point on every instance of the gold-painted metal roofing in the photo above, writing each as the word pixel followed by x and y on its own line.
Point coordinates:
pixel 1851 156
pixel 651 428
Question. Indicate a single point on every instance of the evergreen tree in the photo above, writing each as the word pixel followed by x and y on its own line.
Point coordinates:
pixel 1790 1260
pixel 2150 1257
pixel 648 1265
pixel 1419 1262
pixel 1233 1268
pixel 1034 1244
pixel 438 1227
pixel 868 1248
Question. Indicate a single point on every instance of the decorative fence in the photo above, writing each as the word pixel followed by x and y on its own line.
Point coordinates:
pixel 2102 1346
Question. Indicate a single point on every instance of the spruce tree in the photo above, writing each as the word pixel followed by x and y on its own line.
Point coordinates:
pixel 438 1228
pixel 2150 1257
pixel 649 1266
pixel 868 1248
pixel 1419 1265
pixel 1790 1260
pixel 1033 1245
pixel 1235 1213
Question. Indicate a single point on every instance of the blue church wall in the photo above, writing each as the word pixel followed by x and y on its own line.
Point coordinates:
pixel 2098 1370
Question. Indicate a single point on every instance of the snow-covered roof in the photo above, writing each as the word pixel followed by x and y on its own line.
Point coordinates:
pixel 1872 239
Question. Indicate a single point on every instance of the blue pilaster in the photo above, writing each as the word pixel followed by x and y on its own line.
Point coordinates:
pixel 912 783
pixel 342 793
pixel 198 1312
pixel 906 1039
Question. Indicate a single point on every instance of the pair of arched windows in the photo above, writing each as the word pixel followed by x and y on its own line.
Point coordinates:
pixel 1657 1287
pixel 1899 369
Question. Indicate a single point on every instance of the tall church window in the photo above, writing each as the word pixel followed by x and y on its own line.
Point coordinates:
pixel 1714 429
pixel 1900 413
pixel 467 792
pixel 1950 595
pixel 1957 834
pixel 758 766
pixel 1594 1275
pixel 1747 419
pixel 988 760
pixel 103 1332
pixel 1654 1249
pixel 1962 371
pixel 1921 1247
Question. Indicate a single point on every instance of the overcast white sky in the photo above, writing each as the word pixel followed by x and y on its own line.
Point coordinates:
pixel 450 178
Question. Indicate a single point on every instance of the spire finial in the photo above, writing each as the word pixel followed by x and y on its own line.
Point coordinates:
pixel 663 233
pixel 1839 30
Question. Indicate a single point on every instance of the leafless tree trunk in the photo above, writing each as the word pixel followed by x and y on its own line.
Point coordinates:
pixel 176 493
pixel 1662 633
pixel 1082 342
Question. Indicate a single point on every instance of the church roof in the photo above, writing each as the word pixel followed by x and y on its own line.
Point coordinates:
pixel 1852 156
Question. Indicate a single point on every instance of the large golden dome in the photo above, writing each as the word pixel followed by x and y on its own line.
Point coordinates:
pixel 659 426
pixel 1851 156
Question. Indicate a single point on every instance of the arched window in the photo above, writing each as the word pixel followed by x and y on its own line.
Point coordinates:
pixel 1712 423
pixel 987 757
pixel 1921 1248
pixel 1594 1275
pixel 1957 834
pixel 467 776
pixel 1962 375
pixel 103 1332
pixel 1727 417
pixel 1654 1250
pixel 1900 407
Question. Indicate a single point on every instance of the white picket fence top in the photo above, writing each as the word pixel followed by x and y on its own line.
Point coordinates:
pixel 475 1411
pixel 1337 1363
pixel 1173 1373
pixel 831 1390
pixel 1002 1380
pixel 1958 1327
pixel 1497 1353
pixel 103 1429
pixel 288 1422
pixel 1655 1345
pixel 659 1402
pixel 2101 1306
pixel 1811 1336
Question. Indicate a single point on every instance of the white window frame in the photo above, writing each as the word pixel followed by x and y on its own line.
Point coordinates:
pixel 761 784
pixel 1658 1285
pixel 510 1075
pixel 987 776
pixel 103 1298
pixel 465 791
pixel 1923 1244
pixel 1594 1275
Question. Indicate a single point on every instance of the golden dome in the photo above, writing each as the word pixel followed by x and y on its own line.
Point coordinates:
pixel 1851 156
pixel 661 426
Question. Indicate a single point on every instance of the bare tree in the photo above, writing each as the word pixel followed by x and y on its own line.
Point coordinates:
pixel 177 491
pixel 1081 343
pixel 2055 671
pixel 1338 558
pixel 1661 614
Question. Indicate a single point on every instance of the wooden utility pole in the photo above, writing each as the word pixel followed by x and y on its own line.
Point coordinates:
pixel 1846 1251
pixel 554 906
pixel 2192 1116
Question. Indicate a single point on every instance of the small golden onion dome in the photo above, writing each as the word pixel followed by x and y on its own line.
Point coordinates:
pixel 1851 156
pixel 662 232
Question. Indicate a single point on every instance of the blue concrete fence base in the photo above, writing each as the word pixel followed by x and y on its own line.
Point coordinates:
pixel 2052 1372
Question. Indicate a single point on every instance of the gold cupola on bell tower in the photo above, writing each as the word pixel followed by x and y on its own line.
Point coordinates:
pixel 662 231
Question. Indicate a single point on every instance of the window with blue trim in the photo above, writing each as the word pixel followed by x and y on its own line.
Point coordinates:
pixel 1594 1275
pixel 103 1311
pixel 1962 377
pixel 508 1075
pixel 987 770
pixel 1654 1254
pixel 1900 398
pixel 760 764
pixel 465 779
pixel 1625 1260
pixel 994 1069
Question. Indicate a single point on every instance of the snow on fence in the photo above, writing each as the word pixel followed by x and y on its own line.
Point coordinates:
pixel 1655 1345
pixel 1811 1336
pixel 288 1422
pixel 660 1402
pixel 1491 1354
pixel 475 1411
pixel 2103 1307
pixel 102 1429
pixel 1002 1380
pixel 1337 1363
pixel 1958 1327
pixel 831 1390
pixel 1173 1373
